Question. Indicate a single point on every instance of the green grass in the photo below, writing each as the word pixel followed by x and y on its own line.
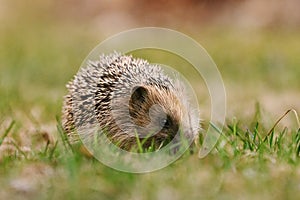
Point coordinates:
pixel 255 157
pixel 245 163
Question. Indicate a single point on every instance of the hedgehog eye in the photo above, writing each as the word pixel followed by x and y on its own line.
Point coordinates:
pixel 162 122
pixel 165 122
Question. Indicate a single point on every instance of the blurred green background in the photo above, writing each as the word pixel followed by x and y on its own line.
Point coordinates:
pixel 255 44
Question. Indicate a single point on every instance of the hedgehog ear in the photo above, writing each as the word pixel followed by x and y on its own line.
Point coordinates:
pixel 139 94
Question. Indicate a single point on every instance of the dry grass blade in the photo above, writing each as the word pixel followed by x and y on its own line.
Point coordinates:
pixel 284 115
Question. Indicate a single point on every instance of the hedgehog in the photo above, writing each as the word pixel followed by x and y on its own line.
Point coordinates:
pixel 126 98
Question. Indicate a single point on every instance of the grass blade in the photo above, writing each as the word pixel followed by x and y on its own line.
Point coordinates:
pixel 6 132
pixel 63 136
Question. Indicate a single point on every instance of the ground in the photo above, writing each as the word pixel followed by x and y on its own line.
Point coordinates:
pixel 254 158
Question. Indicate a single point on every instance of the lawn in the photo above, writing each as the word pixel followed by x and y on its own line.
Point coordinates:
pixel 255 157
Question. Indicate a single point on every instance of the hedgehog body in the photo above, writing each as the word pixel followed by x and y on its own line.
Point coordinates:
pixel 123 96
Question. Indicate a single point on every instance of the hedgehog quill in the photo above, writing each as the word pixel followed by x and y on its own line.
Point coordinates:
pixel 126 98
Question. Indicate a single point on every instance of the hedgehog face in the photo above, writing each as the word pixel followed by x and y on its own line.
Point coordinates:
pixel 157 111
